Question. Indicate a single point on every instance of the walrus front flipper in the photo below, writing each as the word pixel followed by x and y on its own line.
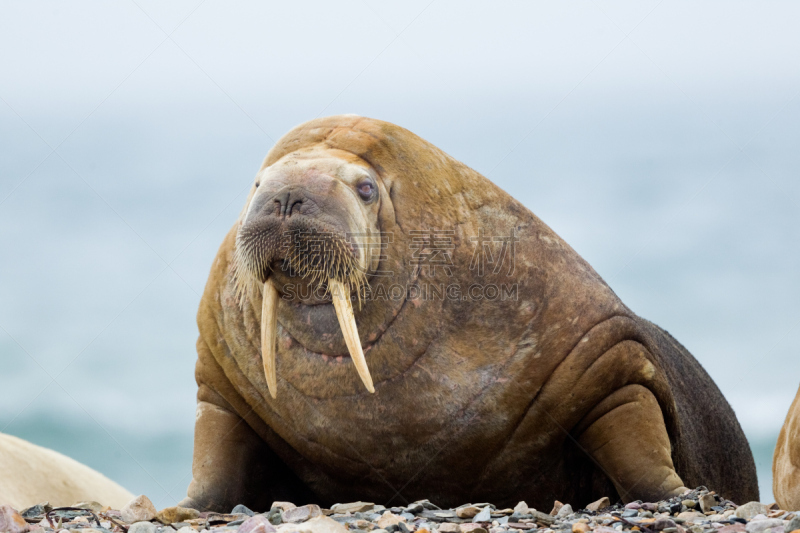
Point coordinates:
pixel 639 463
pixel 232 465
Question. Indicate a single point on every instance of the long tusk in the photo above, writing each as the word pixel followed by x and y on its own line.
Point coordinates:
pixel 269 333
pixel 340 295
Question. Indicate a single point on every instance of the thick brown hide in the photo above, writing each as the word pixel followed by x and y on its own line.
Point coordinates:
pixel 555 391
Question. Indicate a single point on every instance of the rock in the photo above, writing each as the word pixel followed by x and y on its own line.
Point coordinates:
pixel 663 523
pixel 241 509
pixel 707 501
pixel 751 509
pixel 283 506
pixel 557 505
pixel 484 516
pixel 11 521
pixel 564 511
pixel 771 525
pixel 633 505
pixel 36 510
pixel 521 508
pixel 448 527
pixel 630 513
pixel 389 519
pixel 732 528
pixel 319 524
pixel 142 527
pixel 93 506
pixel 171 515
pixel 691 516
pixel 546 519
pixel 468 511
pixel 355 507
pixel 139 509
pixel 472 528
pixel 602 503
pixel 187 529
pixel 690 504
pixel 414 508
pixel 580 527
pixel 301 514
pixel 792 525
pixel 256 524
pixel 652 507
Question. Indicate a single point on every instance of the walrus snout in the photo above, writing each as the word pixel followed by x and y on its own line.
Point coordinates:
pixel 302 226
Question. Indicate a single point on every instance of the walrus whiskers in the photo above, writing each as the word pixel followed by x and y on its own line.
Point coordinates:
pixel 340 294
pixel 269 333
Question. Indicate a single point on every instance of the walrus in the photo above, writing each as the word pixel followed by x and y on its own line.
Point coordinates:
pixel 384 323
pixel 786 461
pixel 31 474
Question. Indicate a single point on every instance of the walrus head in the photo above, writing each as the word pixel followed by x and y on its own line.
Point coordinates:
pixel 311 222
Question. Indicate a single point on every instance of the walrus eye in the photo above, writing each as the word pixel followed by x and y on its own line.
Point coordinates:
pixel 366 190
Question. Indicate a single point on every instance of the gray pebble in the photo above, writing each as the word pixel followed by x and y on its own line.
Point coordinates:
pixel 484 516
pixel 792 524
pixel 241 509
pixel 142 527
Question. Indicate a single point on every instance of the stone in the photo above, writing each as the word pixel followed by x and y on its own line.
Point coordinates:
pixel 472 528
pixel 546 519
pixel 414 508
pixel 139 509
pixel 319 524
pixel 187 529
pixel 691 516
pixel 36 510
pixel 142 527
pixel 602 503
pixel 257 524
pixel 484 516
pixel 171 515
pixel 468 511
pixel 301 514
pixel 241 509
pixel 557 505
pixel 663 523
pixel 11 521
pixel 707 501
pixel 652 507
pixel 448 527
pixel 633 505
pixel 580 527
pixel 732 528
pixel 690 504
pixel 630 513
pixel 750 510
pixel 389 519
pixel 792 525
pixel 769 525
pixel 564 511
pixel 283 506
pixel 521 508
pixel 354 507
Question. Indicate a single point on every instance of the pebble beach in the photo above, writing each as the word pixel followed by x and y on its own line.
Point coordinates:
pixel 697 511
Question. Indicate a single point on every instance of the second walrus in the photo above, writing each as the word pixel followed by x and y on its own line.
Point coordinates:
pixel 383 323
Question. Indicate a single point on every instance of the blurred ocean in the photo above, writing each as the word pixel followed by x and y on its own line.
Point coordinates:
pixel 667 158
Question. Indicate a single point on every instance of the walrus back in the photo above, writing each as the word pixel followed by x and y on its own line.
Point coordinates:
pixel 709 446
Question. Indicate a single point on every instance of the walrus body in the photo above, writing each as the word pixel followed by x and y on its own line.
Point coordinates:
pixel 553 389
pixel 786 464
pixel 30 474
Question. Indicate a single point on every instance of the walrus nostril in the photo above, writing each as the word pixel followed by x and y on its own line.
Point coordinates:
pixel 287 201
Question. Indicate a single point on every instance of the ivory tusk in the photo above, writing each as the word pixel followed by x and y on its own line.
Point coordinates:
pixel 269 334
pixel 340 295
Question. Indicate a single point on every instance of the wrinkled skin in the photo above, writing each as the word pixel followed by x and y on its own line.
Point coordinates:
pixel 560 392
pixel 786 465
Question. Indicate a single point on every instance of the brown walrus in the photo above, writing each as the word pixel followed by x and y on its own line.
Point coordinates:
pixel 503 367
pixel 786 463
